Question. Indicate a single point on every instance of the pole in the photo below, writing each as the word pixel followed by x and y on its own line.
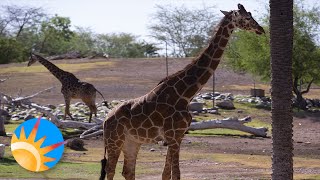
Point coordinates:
pixel 213 87
pixel 167 58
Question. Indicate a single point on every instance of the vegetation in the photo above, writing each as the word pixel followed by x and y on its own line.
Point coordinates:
pixel 251 54
pixel 184 30
pixel 26 29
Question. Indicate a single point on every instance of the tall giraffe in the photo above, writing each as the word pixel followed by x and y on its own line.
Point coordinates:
pixel 162 114
pixel 72 87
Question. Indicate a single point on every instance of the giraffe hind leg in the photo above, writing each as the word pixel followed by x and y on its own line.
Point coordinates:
pixel 90 102
pixel 130 152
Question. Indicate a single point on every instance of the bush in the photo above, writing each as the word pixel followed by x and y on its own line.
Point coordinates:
pixel 11 51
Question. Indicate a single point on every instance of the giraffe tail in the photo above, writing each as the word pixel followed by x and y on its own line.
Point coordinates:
pixel 104 100
pixel 104 163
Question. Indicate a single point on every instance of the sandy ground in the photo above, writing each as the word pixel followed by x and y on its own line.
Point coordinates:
pixel 129 78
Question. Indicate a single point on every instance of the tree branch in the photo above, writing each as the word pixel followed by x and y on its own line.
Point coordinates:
pixel 308 87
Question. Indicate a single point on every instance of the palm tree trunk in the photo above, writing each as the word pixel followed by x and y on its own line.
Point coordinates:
pixel 281 39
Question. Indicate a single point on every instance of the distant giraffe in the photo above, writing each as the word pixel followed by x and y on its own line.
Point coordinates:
pixel 72 87
pixel 162 114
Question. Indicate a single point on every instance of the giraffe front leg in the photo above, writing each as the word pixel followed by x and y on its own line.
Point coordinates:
pixel 67 100
pixel 166 174
pixel 130 152
pixel 172 169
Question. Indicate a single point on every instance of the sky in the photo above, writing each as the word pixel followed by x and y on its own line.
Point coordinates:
pixel 129 16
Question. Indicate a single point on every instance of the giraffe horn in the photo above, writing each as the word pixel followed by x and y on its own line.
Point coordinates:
pixel 242 10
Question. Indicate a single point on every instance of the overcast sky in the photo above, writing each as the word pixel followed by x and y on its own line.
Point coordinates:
pixel 130 16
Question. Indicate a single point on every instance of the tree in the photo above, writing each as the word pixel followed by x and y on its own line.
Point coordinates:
pixel 185 30
pixel 120 45
pixel 251 54
pixel 281 40
pixel 10 50
pixel 83 41
pixel 55 35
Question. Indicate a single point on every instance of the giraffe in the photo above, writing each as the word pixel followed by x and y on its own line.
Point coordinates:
pixel 72 87
pixel 162 114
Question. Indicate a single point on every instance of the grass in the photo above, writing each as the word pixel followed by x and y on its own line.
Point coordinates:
pixel 12 125
pixel 86 165
pixel 246 109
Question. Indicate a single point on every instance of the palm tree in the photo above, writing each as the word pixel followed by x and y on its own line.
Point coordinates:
pixel 281 40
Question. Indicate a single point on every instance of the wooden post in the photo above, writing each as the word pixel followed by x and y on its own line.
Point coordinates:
pixel 213 87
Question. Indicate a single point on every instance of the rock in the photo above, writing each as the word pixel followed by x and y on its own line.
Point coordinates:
pixel 196 106
pixel 206 96
pixel 226 104
pixel 29 116
pixel 17 118
pixel 2 149
pixel 51 106
pixel 152 150
pixel 195 113
pixel 240 111
pixel 76 144
pixel 213 111
pixel 78 104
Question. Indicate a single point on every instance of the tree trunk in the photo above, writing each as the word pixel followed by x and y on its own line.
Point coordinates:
pixel 2 129
pixel 281 40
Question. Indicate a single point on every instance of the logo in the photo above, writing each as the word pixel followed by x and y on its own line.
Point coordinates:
pixel 37 145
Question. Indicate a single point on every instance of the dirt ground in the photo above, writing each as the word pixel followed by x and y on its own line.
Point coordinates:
pixel 128 78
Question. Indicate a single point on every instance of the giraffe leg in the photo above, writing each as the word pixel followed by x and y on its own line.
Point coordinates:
pixel 172 163
pixel 130 151
pixel 175 150
pixel 113 156
pixel 67 100
pixel 92 107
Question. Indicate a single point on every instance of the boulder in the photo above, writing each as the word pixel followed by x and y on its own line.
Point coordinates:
pixel 29 116
pixel 226 104
pixel 76 144
pixel 196 106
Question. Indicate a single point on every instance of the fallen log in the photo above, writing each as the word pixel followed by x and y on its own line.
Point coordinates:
pixel 230 123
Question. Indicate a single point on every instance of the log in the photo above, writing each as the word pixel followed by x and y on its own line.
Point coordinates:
pixel 230 123
pixel 22 99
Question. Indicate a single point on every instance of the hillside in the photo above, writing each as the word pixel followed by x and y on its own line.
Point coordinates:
pixel 115 78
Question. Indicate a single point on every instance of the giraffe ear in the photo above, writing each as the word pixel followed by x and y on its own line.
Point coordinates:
pixel 225 12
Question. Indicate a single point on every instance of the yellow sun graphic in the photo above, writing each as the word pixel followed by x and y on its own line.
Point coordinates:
pixel 29 153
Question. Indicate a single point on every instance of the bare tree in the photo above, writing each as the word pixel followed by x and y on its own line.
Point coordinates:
pixel 18 18
pixel 184 30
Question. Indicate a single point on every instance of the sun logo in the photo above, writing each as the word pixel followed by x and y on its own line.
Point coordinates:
pixel 37 146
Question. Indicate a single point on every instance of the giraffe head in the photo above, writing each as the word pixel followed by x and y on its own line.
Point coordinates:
pixel 243 20
pixel 33 58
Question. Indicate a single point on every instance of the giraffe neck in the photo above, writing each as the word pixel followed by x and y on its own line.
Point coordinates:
pixel 57 72
pixel 194 76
